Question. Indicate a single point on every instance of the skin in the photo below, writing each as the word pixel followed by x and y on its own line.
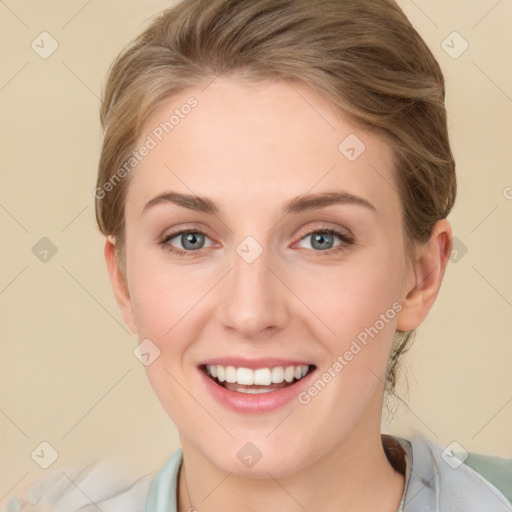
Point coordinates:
pixel 251 148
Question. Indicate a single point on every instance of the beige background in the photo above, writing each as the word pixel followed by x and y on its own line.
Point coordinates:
pixel 68 374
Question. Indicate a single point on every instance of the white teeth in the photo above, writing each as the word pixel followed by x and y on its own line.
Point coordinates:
pixel 255 391
pixel 277 374
pixel 258 377
pixel 263 377
pixel 244 376
pixel 289 373
pixel 230 374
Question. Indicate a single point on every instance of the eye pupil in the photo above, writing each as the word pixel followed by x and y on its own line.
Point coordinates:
pixel 192 238
pixel 321 238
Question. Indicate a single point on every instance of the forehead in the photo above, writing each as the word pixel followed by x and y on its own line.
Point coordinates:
pixel 262 141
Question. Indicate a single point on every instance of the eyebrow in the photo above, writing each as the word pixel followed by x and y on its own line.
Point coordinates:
pixel 295 205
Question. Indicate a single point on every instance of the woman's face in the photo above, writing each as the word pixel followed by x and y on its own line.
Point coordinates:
pixel 260 284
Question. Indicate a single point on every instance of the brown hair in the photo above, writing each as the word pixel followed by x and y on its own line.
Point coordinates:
pixel 362 55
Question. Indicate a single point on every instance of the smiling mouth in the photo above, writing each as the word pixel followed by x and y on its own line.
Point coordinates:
pixel 255 381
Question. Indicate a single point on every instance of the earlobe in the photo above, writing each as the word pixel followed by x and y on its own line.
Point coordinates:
pixel 119 285
pixel 428 270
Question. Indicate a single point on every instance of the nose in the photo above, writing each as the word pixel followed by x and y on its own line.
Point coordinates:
pixel 254 302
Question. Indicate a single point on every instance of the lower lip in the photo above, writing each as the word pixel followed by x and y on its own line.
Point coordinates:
pixel 254 403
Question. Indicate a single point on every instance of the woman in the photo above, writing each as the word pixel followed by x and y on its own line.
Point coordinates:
pixel 273 187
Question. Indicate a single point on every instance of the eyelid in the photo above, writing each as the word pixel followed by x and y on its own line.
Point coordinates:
pixel 193 227
pixel 341 231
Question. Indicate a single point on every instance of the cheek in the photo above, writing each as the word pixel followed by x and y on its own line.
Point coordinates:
pixel 162 296
pixel 166 304
pixel 356 307
pixel 360 312
pixel 348 298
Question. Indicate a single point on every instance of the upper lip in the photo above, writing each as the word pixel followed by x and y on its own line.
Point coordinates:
pixel 264 362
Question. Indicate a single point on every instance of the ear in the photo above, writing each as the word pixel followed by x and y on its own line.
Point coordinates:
pixel 119 285
pixel 425 277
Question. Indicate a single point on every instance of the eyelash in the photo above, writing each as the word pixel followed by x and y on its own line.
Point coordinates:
pixel 346 241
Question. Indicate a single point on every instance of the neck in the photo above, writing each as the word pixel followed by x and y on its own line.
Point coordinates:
pixel 354 476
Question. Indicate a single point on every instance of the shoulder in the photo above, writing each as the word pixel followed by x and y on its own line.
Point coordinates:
pixel 458 479
pixel 494 469
pixel 97 486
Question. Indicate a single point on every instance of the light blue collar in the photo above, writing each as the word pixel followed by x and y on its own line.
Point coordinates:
pixel 163 491
pixel 435 485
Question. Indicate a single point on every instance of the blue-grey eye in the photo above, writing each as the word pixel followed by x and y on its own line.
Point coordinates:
pixel 322 240
pixel 192 241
